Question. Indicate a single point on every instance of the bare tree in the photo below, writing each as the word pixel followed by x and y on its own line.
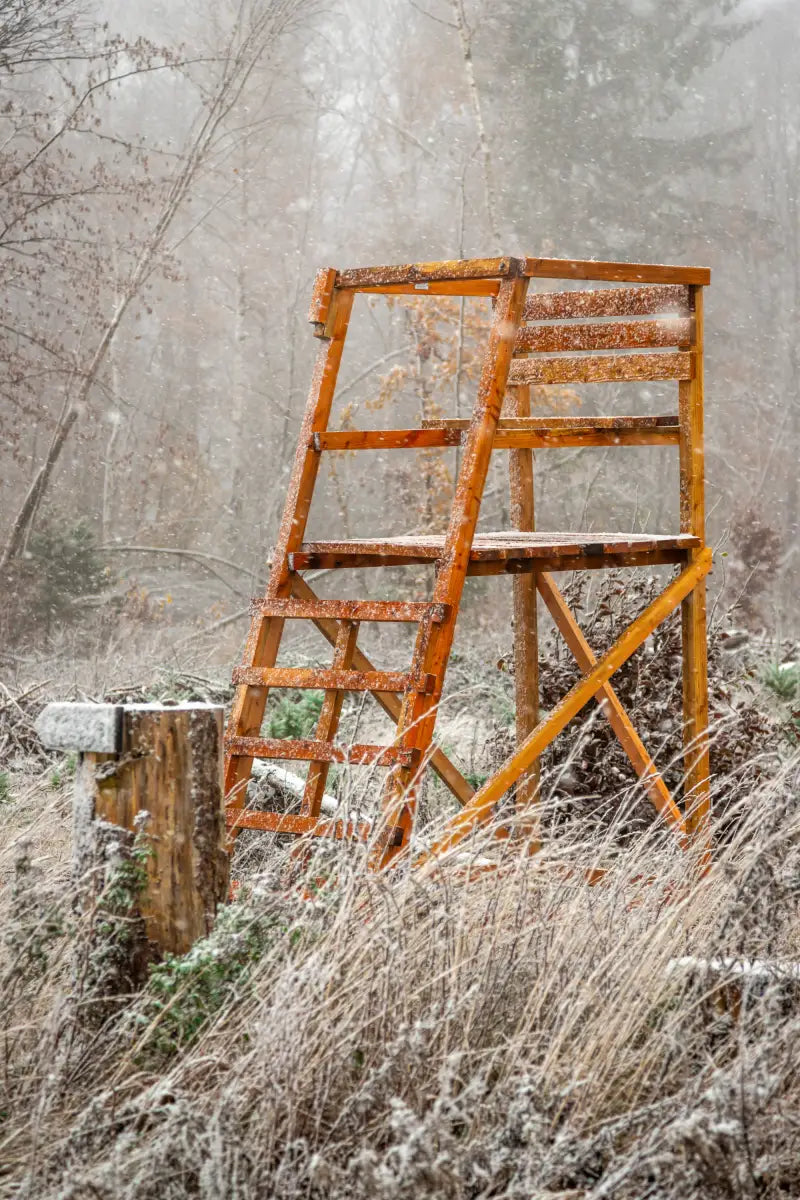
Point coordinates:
pixel 254 31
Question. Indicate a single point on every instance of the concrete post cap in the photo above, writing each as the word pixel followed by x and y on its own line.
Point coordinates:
pixel 97 727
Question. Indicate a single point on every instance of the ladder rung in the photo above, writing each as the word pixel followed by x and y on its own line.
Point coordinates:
pixel 350 610
pixel 308 750
pixel 293 823
pixel 560 424
pixel 384 439
pixel 333 680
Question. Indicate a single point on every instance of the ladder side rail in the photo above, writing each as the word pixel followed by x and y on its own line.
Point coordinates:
pixel 263 641
pixel 418 716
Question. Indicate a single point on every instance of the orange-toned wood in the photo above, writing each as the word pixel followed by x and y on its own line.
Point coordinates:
pixel 611 706
pixel 409 611
pixel 502 268
pixel 313 750
pixel 602 368
pixel 676 331
pixel 327 678
pixel 457 287
pixel 561 424
pixel 534 436
pixel 328 722
pixel 429 272
pixel 273 822
pixel 563 268
pixel 391 704
pixel 263 640
pixel 321 296
pixel 693 613
pixel 479 810
pixel 526 639
pixel 418 717
pixel 608 302
pixel 387 439
pixel 486 547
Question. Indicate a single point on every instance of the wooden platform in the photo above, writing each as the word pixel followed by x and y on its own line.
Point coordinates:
pixel 501 553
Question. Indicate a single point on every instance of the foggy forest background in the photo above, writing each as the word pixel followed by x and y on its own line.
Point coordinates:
pixel 172 175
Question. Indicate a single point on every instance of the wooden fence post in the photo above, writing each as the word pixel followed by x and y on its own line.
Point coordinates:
pixel 166 762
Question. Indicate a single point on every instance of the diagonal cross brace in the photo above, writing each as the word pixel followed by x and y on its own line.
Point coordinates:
pixel 611 706
pixel 479 809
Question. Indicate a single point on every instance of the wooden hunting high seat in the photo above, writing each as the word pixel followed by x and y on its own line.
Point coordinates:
pixel 650 329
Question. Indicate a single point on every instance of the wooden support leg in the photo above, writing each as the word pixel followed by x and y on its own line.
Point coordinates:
pixel 697 787
pixel 695 677
pixel 479 810
pixel 611 706
pixel 526 640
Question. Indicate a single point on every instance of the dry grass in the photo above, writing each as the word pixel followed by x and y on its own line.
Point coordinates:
pixel 519 1035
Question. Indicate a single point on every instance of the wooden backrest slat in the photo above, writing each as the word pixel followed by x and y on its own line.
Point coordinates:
pixel 674 331
pixel 609 302
pixel 601 368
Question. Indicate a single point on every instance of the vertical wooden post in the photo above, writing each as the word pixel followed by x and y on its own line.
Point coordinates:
pixel 526 640
pixel 165 762
pixel 693 608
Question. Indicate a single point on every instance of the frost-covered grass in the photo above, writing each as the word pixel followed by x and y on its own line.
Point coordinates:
pixel 519 1034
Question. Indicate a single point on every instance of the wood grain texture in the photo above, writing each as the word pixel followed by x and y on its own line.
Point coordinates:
pixel 327 678
pixel 171 768
pixel 403 611
pixel 563 268
pixel 314 750
pixel 321 296
pixel 272 822
pixel 469 268
pixel 602 368
pixel 608 302
pixel 693 613
pixel 534 434
pixel 615 335
pixel 526 633
pixel 486 547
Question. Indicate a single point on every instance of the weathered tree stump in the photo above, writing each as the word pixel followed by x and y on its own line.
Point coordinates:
pixel 165 762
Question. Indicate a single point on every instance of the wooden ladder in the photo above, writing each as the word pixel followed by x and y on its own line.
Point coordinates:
pixel 411 698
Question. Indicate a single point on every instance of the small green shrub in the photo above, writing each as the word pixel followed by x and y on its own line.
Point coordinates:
pixel 783 680
pixel 185 991
pixel 5 787
pixel 296 715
